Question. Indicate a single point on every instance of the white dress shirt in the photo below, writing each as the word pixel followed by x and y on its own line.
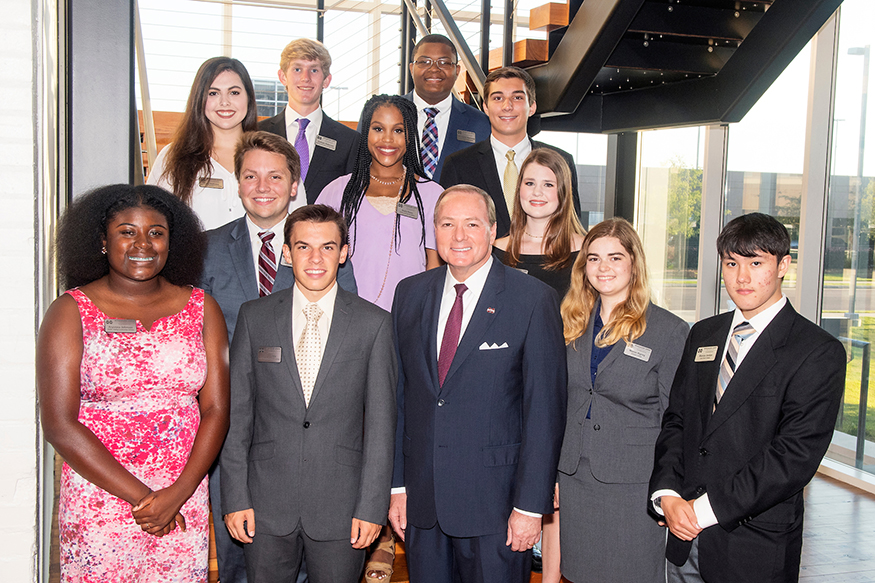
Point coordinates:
pixel 299 320
pixel 475 282
pixel 255 242
pixel 705 516
pixel 310 134
pixel 442 119
pixel 499 150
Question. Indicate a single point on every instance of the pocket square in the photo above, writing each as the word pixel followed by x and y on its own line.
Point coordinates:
pixel 493 346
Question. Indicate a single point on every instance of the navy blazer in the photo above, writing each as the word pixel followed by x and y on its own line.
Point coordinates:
pixel 476 166
pixel 757 451
pixel 229 272
pixel 462 117
pixel 488 440
pixel 325 164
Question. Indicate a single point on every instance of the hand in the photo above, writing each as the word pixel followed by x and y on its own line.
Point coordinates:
pixel 556 497
pixel 158 513
pixel 522 531
pixel 398 514
pixel 241 524
pixel 363 533
pixel 680 517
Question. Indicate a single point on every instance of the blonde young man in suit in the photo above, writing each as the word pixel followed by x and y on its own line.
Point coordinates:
pixel 327 148
pixel 306 466
pixel 750 416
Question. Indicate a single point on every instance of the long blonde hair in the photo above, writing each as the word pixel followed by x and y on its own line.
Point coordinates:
pixel 563 224
pixel 628 320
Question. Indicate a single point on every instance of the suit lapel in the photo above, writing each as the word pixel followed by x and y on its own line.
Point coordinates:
pixel 283 318
pixel 706 372
pixel 486 161
pixel 584 346
pixel 431 304
pixel 340 321
pixel 240 251
pixel 319 155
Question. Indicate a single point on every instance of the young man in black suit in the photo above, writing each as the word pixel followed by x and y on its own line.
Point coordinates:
pixel 750 416
pixel 493 164
pixel 327 148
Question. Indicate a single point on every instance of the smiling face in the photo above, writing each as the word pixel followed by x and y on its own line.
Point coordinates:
pixel 463 234
pixel 315 254
pixel 266 187
pixel 609 268
pixel 539 191
pixel 386 138
pixel 434 84
pixel 227 102
pixel 508 108
pixel 304 81
pixel 137 243
pixel 754 283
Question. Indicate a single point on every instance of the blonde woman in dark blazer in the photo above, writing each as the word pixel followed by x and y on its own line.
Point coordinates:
pixel 623 352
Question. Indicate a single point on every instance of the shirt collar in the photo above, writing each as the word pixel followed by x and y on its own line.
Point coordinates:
pixel 503 149
pixel 325 303
pixel 475 282
pixel 761 320
pixel 442 107
pixel 277 230
pixel 293 116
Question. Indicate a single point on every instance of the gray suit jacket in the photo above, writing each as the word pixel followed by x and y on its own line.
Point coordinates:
pixel 628 400
pixel 229 272
pixel 325 464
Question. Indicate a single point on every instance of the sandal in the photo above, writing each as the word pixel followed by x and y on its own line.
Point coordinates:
pixel 384 568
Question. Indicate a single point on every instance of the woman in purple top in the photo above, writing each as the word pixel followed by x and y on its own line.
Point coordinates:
pixel 389 207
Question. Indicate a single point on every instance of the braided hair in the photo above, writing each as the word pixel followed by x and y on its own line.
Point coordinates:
pixel 357 187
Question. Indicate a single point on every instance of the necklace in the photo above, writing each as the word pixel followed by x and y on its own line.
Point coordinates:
pixel 391 244
pixel 533 236
pixel 386 182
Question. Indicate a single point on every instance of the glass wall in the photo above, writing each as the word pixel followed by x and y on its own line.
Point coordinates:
pixel 848 303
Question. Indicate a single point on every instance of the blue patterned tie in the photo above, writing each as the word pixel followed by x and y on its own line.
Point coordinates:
pixel 430 142
pixel 727 369
pixel 302 147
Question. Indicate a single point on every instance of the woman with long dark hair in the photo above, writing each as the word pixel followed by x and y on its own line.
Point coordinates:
pixel 198 165
pixel 388 205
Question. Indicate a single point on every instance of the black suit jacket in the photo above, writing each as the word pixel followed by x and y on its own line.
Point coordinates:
pixel 325 164
pixel 476 166
pixel 757 451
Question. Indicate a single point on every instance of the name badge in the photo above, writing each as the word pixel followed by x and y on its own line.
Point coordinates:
pixel 407 210
pixel 706 353
pixel 116 326
pixel 270 354
pixel 638 351
pixel 327 143
pixel 217 183
pixel 466 136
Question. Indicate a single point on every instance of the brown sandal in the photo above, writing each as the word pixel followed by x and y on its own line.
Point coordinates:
pixel 379 566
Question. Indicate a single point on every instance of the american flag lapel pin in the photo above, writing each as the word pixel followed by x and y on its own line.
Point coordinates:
pixel 490 310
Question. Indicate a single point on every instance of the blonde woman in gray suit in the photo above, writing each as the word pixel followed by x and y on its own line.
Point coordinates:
pixel 623 352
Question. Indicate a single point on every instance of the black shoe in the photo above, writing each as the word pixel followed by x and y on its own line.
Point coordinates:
pixel 536 564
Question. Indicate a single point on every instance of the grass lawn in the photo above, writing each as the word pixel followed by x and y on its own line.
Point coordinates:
pixel 848 416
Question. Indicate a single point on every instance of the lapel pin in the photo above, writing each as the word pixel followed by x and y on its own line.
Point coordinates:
pixel 490 310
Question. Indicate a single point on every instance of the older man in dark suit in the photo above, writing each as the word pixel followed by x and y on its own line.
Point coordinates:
pixel 481 405
pixel 327 148
pixel 306 466
pixel 493 164
pixel 750 416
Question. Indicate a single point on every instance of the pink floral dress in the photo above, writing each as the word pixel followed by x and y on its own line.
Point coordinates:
pixel 139 397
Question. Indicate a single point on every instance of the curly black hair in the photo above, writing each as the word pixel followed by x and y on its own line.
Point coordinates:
pixel 82 233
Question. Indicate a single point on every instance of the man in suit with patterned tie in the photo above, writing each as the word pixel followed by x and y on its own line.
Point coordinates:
pixel 750 416
pixel 307 463
pixel 242 264
pixel 481 405
pixel 445 124
pixel 493 164
pixel 327 148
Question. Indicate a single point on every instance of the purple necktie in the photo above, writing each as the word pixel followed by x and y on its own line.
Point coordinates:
pixel 301 146
pixel 430 142
pixel 266 264
pixel 450 341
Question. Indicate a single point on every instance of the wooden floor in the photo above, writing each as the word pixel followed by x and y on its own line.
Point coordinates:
pixel 838 547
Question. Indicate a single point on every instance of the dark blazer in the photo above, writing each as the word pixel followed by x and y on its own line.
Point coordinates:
pixel 229 272
pixel 488 440
pixel 476 165
pixel 758 450
pixel 462 117
pixel 325 164
pixel 321 465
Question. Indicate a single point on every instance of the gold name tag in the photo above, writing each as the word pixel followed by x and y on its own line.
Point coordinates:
pixel 706 353
pixel 217 183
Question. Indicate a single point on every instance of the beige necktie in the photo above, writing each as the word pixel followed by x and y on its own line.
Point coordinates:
pixel 309 351
pixel 511 174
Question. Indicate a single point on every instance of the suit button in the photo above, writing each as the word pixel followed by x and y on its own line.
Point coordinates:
pixel 590 391
pixel 441 402
pixel 700 490
pixel 306 424
pixel 703 451
pixel 597 427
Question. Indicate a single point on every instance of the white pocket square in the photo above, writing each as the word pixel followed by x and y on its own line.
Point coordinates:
pixel 493 346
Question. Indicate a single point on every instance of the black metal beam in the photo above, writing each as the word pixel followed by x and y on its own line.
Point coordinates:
pixel 661 55
pixel 696 21
pixel 485 20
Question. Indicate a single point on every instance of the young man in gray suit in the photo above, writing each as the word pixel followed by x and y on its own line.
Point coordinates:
pixel 268 170
pixel 307 463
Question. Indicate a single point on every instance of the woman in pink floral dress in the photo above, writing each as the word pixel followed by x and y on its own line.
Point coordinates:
pixel 132 372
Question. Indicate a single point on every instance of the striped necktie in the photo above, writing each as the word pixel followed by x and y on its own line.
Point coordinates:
pixel 739 334
pixel 266 264
pixel 430 142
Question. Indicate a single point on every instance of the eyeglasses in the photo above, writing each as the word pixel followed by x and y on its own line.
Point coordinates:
pixel 426 63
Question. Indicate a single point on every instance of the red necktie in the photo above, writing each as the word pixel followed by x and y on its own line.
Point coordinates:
pixel 450 341
pixel 266 264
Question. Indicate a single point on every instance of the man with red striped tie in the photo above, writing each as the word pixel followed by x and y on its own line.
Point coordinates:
pixel 243 262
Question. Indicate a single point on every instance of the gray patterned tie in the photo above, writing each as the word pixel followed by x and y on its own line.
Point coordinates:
pixel 308 353
pixel 739 334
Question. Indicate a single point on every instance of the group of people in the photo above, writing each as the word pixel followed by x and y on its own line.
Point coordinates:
pixel 406 328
